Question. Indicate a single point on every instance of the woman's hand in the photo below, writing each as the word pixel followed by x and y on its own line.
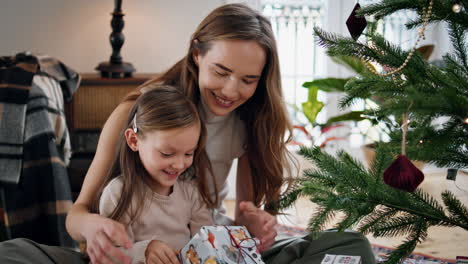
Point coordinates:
pixel 102 236
pixel 260 224
pixel 158 252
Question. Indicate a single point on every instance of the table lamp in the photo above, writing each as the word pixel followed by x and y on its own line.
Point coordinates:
pixel 115 67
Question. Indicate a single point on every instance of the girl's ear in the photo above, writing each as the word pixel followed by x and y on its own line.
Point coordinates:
pixel 132 139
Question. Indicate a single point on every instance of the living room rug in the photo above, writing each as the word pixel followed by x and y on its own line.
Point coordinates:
pixel 379 251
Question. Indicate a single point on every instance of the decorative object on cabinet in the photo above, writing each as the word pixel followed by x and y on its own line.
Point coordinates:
pixel 116 67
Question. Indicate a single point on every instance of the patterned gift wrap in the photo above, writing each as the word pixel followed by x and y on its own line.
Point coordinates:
pixel 221 245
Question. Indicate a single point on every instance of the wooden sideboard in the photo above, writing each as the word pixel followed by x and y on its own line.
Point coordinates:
pixel 97 97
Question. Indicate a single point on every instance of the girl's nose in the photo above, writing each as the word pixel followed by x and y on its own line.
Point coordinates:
pixel 178 163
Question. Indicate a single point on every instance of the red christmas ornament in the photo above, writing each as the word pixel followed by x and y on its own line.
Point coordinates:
pixel 403 175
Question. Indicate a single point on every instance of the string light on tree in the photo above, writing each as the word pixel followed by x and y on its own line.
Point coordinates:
pixel 457 7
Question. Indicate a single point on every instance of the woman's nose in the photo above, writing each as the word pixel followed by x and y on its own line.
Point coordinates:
pixel 231 88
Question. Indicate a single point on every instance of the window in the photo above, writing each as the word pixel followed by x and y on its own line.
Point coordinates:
pixel 292 23
pixel 302 60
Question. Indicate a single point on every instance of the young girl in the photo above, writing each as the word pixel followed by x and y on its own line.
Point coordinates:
pixel 156 196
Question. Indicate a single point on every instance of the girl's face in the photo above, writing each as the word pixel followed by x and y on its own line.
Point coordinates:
pixel 229 73
pixel 166 154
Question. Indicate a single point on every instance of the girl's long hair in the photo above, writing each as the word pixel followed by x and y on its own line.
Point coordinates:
pixel 163 107
pixel 267 123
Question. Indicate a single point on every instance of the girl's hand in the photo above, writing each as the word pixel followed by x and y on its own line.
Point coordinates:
pixel 158 252
pixel 102 235
pixel 260 224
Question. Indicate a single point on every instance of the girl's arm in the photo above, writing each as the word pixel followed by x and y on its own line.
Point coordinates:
pixel 107 204
pixel 201 215
pixel 92 228
pixel 259 222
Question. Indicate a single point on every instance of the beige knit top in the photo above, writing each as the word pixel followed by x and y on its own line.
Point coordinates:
pixel 173 219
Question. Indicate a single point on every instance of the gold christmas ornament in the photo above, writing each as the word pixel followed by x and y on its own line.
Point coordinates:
pixel 456 8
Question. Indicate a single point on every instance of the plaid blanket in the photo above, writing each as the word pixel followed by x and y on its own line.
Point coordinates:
pixel 35 147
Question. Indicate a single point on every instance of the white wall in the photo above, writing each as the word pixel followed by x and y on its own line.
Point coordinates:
pixel 77 32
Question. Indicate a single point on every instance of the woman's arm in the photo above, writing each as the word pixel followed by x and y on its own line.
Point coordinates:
pixel 93 228
pixel 244 184
pixel 259 222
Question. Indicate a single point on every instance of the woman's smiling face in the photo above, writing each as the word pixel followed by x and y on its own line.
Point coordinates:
pixel 229 73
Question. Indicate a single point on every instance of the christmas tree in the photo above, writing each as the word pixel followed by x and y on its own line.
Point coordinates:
pixel 428 104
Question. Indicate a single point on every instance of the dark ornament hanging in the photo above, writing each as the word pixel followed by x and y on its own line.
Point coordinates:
pixel 403 175
pixel 355 24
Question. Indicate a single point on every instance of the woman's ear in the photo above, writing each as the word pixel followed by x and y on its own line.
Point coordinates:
pixel 132 139
pixel 195 55
pixel 195 52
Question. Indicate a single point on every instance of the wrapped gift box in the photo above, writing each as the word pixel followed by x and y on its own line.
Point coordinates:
pixel 221 245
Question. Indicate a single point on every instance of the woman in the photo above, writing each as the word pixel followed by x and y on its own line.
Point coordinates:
pixel 231 72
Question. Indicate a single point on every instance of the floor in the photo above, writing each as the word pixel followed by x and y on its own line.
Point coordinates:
pixel 442 242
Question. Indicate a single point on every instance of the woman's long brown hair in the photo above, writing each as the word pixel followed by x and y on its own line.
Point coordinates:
pixel 163 107
pixel 265 115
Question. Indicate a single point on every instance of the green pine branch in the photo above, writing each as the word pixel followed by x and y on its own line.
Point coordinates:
pixel 396 226
pixel 457 210
pixel 457 36
pixel 320 218
pixel 370 221
pixel 417 235
pixel 441 11
pixel 351 63
pixel 342 184
pixel 367 86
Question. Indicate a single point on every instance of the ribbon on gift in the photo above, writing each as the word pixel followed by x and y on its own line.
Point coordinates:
pixel 241 249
